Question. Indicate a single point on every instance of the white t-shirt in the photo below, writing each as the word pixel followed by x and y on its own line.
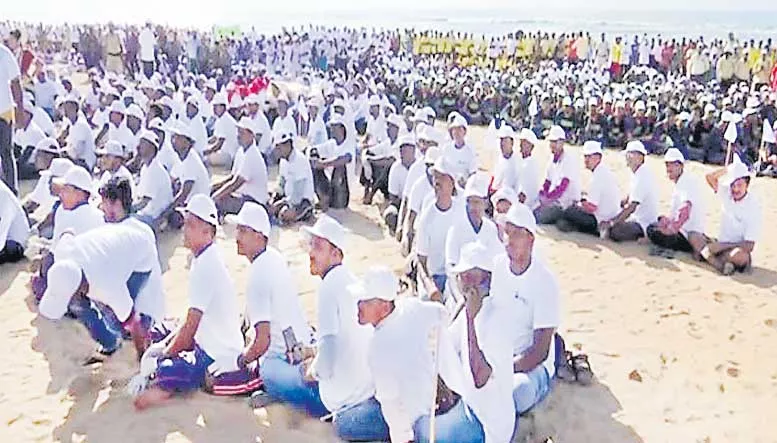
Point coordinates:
pixel 108 256
pixel 147 42
pixel 567 167
pixel 9 70
pixel 536 299
pixel 297 178
pixel 604 193
pixel 13 220
pixel 272 297
pixel 226 127
pixel 198 131
pixel 250 165
pixel 80 141
pixel 284 125
pixel 397 177
pixel 317 131
pixel 261 127
pixel 41 194
pixel 30 136
pixel 167 155
pixel 212 292
pixel 492 403
pixel 416 171
pixel 192 169
pixel 433 226
pixel 462 233
pixel 351 381
pixel 740 220
pixel 529 180
pixel 155 184
pixel 506 172
pixel 45 93
pixel 642 189
pixel 401 361
pixel 464 160
pixel 418 193
pixel 151 300
pixel 78 220
pixel 123 135
pixel 43 120
pixel 688 189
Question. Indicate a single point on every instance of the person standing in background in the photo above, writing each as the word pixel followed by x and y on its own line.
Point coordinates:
pixel 147 41
pixel 11 110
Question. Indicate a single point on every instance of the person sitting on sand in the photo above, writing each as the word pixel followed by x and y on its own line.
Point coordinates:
pixel 155 192
pixel 43 196
pixel 272 305
pixel 100 274
pixel 600 204
pixel 248 179
pixel 332 164
pixel 293 202
pixel 528 188
pixel 397 177
pixel 460 154
pixel 640 208
pixel 377 152
pixel 519 276
pixel 683 230
pixel 111 161
pixel 208 343
pixel 336 374
pixel 14 226
pixel 741 220
pixel 426 141
pixel 561 188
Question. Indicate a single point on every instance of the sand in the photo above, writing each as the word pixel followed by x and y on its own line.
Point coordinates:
pixel 701 344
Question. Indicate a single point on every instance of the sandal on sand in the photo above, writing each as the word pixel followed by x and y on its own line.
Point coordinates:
pixel 565 371
pixel 583 373
pixel 260 399
pixel 728 269
pixel 655 251
pixel 100 355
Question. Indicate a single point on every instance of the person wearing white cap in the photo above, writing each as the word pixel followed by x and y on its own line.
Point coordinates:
pixel 640 207
pixel 602 201
pixel 282 335
pixel 47 154
pixel 568 120
pixel 190 177
pixel 436 218
pixel 248 179
pixel 397 178
pixel 332 164
pixel 418 185
pixel 26 138
pixel 316 127
pixel 111 164
pixel 340 363
pixel 77 136
pixel 507 164
pixel 134 119
pixel 521 277
pixel 460 154
pixel 154 192
pixel 223 144
pixel 741 220
pixel 11 108
pixel 75 214
pixel 528 184
pixel 400 356
pixel 683 229
pixel 260 125
pixel 116 128
pixel 208 343
pixel 284 121
pixel 294 199
pixel 193 119
pixel 376 124
pixel 472 227
pixel 377 159
pixel 561 188
pixel 14 226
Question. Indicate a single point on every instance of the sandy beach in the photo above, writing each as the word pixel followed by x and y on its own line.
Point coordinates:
pixel 680 353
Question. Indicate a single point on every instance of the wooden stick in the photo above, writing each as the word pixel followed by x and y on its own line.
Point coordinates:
pixel 728 154
pixel 434 343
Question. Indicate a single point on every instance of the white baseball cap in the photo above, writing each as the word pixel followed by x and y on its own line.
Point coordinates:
pixel 432 155
pixel 378 283
pixel 219 99
pixel 475 255
pixel 282 137
pixel 58 167
pixel 49 145
pixel 504 193
pixel 556 133
pixel 521 216
pixel 112 147
pixel 505 131
pixel 149 136
pixel 395 119
pixel 157 124
pixel 329 229
pixel 202 206
pixel 406 139
pixel 636 146
pixel 252 99
pixel 529 136
pixel 64 278
pixel 245 123
pixel 252 215
pixel 236 102
pixel 443 166
pixel 477 186
pixel 182 129
pixel 118 107
pixel 78 178
pixel 456 120
pixel 374 100
pixel 674 155
pixel 735 170
pixel 592 147
pixel 134 110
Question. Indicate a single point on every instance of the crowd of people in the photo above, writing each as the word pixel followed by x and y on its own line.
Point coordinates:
pixel 467 338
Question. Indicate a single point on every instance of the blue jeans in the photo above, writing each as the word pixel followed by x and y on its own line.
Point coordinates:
pixel 530 388
pixel 457 425
pixel 284 383
pixel 102 324
pixel 362 422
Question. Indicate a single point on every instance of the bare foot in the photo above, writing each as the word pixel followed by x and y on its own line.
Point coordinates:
pixel 151 397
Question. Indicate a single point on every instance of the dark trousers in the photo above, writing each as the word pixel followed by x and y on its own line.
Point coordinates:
pixel 12 252
pixel 548 215
pixel 579 220
pixel 25 170
pixel 626 231
pixel 676 242
pixel 7 156
pixel 380 173
pixel 333 191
